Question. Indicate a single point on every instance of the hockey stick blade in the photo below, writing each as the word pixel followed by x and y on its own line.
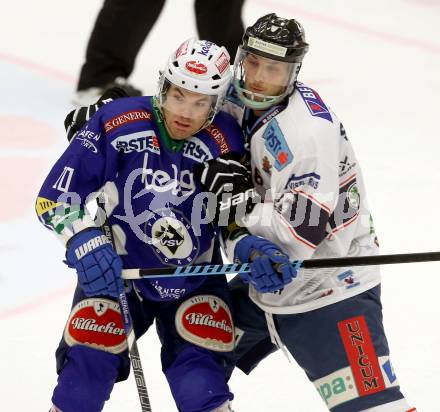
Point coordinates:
pixel 231 268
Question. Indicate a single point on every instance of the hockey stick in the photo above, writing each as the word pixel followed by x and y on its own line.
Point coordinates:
pixel 230 268
pixel 128 324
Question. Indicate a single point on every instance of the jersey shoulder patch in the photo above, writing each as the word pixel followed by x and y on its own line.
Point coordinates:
pixel 226 134
pixel 276 145
pixel 314 103
pixel 126 111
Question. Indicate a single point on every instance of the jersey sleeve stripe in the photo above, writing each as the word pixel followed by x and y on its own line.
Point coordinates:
pixel 311 198
pixel 295 234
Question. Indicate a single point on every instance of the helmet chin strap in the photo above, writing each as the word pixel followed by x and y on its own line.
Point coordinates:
pixel 268 101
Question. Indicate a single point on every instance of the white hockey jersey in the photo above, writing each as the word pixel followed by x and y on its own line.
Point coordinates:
pixel 315 203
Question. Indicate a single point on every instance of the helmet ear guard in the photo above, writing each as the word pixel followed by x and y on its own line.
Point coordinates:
pixel 276 39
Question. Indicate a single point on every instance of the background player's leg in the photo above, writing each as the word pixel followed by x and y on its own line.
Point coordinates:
pixel 253 342
pixel 118 34
pixel 220 21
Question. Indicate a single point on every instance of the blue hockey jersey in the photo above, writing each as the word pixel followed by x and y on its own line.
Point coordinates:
pixel 154 205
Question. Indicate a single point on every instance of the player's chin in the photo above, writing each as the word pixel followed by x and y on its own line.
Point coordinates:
pixel 179 134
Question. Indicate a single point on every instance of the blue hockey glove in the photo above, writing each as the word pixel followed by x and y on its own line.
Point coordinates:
pixel 98 266
pixel 270 267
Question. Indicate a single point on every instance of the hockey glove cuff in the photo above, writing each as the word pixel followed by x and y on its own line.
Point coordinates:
pixel 98 266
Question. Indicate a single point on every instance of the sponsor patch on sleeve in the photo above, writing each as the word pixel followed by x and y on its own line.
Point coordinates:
pixel 206 321
pixel 128 117
pixel 276 145
pixel 219 138
pixel 314 103
pixel 97 323
pixel 311 179
pixel 44 205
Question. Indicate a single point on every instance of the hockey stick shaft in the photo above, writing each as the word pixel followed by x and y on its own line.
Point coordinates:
pixel 231 268
pixel 128 325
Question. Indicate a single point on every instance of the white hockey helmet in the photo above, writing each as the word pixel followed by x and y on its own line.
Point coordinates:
pixel 198 66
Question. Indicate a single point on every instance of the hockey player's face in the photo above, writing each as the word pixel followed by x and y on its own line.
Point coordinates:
pixel 185 112
pixel 265 76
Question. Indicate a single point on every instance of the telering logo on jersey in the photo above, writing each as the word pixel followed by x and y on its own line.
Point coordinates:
pixel 181 183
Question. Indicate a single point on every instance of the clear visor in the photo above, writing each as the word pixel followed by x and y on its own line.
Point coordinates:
pixel 262 82
pixel 185 112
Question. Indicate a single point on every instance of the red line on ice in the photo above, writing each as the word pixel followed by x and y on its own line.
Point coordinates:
pixel 45 70
pixel 41 301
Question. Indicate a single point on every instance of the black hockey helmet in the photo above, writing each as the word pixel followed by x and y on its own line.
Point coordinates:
pixel 276 38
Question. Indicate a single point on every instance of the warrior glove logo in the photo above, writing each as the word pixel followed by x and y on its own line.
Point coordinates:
pixel 90 245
